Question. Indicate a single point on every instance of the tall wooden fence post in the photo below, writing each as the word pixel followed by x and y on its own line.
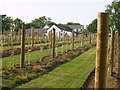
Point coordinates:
pixel 22 46
pixel 53 44
pixel 82 39
pixel 90 38
pixel 101 54
pixel 112 49
pixel 72 40
pixel 118 80
pixel 51 38
pixel 32 38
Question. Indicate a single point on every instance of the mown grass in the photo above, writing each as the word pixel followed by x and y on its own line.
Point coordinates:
pixel 70 75
pixel 7 62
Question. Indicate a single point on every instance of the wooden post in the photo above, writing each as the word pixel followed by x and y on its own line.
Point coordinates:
pixel 118 80
pixel 32 37
pixel 94 37
pixel 112 49
pixel 51 38
pixel 53 44
pixel 72 40
pixel 22 46
pixel 101 53
pixel 64 36
pixel 90 38
pixel 38 35
pixel 82 39
pixel 19 34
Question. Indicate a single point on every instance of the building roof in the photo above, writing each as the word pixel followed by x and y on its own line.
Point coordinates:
pixel 64 27
pixel 76 26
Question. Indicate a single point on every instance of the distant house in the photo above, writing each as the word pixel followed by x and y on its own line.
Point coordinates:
pixel 77 28
pixel 60 30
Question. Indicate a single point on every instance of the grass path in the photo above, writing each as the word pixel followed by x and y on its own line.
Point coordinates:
pixel 70 75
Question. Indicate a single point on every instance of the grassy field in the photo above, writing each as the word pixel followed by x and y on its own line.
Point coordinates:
pixel 7 62
pixel 70 75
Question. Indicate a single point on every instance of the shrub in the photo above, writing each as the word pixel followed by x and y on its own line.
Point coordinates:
pixel 18 80
pixel 30 77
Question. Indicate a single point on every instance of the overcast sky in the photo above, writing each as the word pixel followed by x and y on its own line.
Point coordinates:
pixel 60 11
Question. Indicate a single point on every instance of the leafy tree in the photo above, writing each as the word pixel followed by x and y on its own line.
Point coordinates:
pixel 92 27
pixel 51 23
pixel 72 23
pixel 40 22
pixel 114 10
pixel 28 25
pixel 17 24
pixel 7 23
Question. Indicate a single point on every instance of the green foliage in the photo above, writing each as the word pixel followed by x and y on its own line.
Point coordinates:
pixel 92 27
pixel 114 10
pixel 7 23
pixel 109 61
pixel 72 23
pixel 39 22
pixel 18 24
pixel 18 80
pixel 30 77
pixel 51 23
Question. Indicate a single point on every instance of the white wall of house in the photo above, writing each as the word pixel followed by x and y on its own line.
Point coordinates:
pixel 58 31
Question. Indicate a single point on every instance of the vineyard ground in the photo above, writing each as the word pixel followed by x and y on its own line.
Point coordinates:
pixel 70 75
pixel 7 62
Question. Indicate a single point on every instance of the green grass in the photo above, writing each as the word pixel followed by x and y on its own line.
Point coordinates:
pixel 70 75
pixel 7 62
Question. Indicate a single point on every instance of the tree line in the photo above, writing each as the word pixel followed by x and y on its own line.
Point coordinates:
pixel 114 18
pixel 15 24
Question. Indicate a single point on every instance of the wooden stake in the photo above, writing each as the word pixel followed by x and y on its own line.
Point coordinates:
pixel 112 49
pixel 53 44
pixel 22 46
pixel 72 40
pixel 32 37
pixel 101 54
pixel 82 39
pixel 39 35
pixel 118 80
pixel 90 38
pixel 51 38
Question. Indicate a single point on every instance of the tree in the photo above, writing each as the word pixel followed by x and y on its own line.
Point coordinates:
pixel 72 23
pixel 92 27
pixel 17 24
pixel 114 10
pixel 41 22
pixel 7 23
pixel 51 23
pixel 28 25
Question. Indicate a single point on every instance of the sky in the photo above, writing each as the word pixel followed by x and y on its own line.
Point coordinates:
pixel 60 11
